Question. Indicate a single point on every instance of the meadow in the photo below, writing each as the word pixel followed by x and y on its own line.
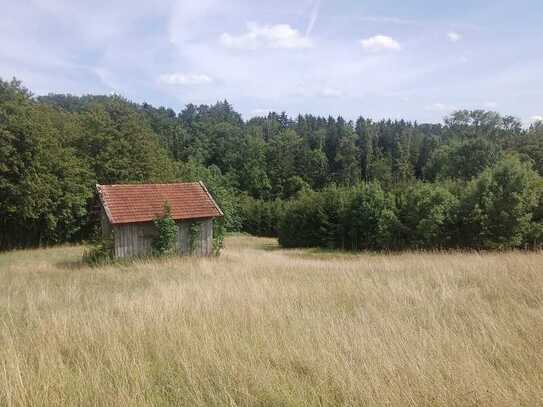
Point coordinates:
pixel 264 326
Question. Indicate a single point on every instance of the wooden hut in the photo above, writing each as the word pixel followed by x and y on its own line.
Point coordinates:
pixel 128 212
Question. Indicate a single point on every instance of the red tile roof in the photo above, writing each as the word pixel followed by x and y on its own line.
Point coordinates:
pixel 132 203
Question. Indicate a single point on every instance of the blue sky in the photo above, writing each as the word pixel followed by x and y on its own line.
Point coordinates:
pixel 415 59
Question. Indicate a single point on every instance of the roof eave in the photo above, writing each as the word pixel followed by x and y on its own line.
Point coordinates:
pixel 152 220
pixel 104 204
pixel 211 198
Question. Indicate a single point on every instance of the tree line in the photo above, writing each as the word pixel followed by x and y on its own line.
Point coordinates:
pixel 312 181
pixel 499 209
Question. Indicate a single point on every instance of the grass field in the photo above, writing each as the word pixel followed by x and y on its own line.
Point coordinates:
pixel 261 326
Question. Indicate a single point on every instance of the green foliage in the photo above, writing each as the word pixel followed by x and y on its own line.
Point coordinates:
pixel 499 206
pixel 340 217
pixel 500 209
pixel 120 146
pixel 164 243
pixel 534 237
pixel 194 236
pixel 100 253
pixel 477 123
pixel 283 159
pixel 298 226
pixel 294 185
pixel 55 148
pixel 218 235
pixel 45 186
pixel 219 186
pixel 368 209
pixel 530 147
pixel 463 160
pixel 426 213
pixel 260 217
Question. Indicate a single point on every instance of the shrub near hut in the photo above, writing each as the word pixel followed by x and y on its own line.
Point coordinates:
pixel 164 243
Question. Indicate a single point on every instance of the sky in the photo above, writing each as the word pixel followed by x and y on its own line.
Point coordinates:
pixel 417 60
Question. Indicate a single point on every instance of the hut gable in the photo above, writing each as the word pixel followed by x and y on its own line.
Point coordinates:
pixel 130 209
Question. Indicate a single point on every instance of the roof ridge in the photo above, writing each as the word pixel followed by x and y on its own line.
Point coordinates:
pixel 148 184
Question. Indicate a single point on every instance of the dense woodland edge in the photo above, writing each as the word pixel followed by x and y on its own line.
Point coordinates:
pixel 474 181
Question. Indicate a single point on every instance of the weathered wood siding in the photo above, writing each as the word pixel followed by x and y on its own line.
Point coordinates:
pixel 134 239
pixel 104 223
pixel 206 237
pixel 203 246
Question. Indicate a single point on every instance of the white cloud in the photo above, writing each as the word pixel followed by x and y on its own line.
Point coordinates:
pixel 266 36
pixel 183 79
pixel 536 118
pixel 490 105
pixel 380 43
pixel 454 36
pixel 186 19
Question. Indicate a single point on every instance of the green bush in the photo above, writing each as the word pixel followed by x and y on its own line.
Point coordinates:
pixel 260 217
pixel 298 227
pixel 218 235
pixel 462 160
pixel 100 253
pixel 426 213
pixel 194 232
pixel 366 218
pixel 164 243
pixel 500 209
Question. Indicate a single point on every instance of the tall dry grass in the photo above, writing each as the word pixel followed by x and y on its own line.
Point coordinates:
pixel 261 326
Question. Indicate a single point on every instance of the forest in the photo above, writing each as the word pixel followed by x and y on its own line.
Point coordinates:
pixel 473 181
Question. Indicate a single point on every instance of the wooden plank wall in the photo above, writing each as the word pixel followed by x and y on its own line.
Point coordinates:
pixel 204 245
pixel 206 237
pixel 183 238
pixel 135 239
pixel 105 225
